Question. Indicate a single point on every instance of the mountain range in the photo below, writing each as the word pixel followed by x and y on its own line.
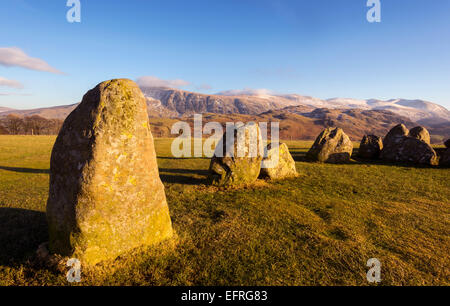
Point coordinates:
pixel 306 114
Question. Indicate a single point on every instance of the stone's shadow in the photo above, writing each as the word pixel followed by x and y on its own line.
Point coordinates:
pixel 174 176
pixel 25 170
pixel 21 232
pixel 298 156
pixel 184 171
pixel 181 179
pixel 169 157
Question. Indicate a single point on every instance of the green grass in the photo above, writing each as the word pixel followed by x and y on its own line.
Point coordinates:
pixel 317 229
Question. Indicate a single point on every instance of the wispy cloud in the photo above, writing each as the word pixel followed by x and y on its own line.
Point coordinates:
pixel 246 92
pixel 10 83
pixel 14 94
pixel 15 57
pixel 152 81
pixel 204 87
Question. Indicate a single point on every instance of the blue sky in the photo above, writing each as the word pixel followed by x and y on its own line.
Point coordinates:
pixel 321 48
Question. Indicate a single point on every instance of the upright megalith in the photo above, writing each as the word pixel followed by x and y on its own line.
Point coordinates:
pixel 238 155
pixel 106 196
pixel 331 146
pixel 370 147
pixel 278 162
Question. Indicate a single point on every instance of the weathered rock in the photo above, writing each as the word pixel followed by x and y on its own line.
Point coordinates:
pixel 420 133
pixel 445 157
pixel 331 146
pixel 239 162
pixel 447 143
pixel 370 147
pixel 278 162
pixel 399 146
pixel 395 134
pixel 106 196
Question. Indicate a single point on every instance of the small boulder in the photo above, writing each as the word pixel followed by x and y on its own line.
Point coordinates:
pixel 331 146
pixel 278 162
pixel 400 146
pixel 237 159
pixel 420 133
pixel 105 194
pixel 370 147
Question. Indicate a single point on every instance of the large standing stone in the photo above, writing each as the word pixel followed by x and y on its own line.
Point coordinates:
pixel 106 196
pixel 239 162
pixel 400 146
pixel 370 147
pixel 420 133
pixel 278 162
pixel 331 146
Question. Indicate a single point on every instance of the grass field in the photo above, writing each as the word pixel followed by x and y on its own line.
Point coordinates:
pixel 317 229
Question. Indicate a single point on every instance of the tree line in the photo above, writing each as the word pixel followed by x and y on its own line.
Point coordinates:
pixel 29 125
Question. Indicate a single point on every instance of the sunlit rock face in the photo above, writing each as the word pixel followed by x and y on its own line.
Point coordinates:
pixel 105 195
pixel 237 159
pixel 278 162
pixel 331 146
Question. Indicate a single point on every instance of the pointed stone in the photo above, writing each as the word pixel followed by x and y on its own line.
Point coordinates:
pixel 106 196
pixel 278 163
pixel 331 146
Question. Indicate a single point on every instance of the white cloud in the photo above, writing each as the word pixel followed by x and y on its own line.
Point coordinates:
pixel 10 83
pixel 15 57
pixel 14 94
pixel 247 92
pixel 204 87
pixel 152 81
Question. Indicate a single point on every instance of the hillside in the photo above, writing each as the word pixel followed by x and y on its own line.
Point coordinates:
pixel 5 109
pixel 308 124
pixel 301 117
pixel 174 102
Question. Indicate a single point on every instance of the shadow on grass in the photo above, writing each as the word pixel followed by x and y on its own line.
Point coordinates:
pixel 21 232
pixel 170 157
pixel 174 176
pixel 25 170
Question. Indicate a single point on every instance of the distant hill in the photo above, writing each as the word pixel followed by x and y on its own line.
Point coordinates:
pixel 55 112
pixel 174 102
pixel 301 117
pixel 307 125
pixel 5 109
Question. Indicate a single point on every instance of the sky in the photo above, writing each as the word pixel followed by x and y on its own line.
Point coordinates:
pixel 320 48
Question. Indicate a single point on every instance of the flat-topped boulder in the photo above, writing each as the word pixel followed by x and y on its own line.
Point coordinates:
pixel 331 146
pixel 400 146
pixel 105 195
pixel 237 158
pixel 370 147
pixel 278 162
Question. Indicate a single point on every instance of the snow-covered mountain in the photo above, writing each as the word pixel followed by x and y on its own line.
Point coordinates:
pixel 5 109
pixel 421 111
pixel 169 102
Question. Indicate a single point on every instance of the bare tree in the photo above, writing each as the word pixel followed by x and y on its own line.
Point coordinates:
pixel 14 124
